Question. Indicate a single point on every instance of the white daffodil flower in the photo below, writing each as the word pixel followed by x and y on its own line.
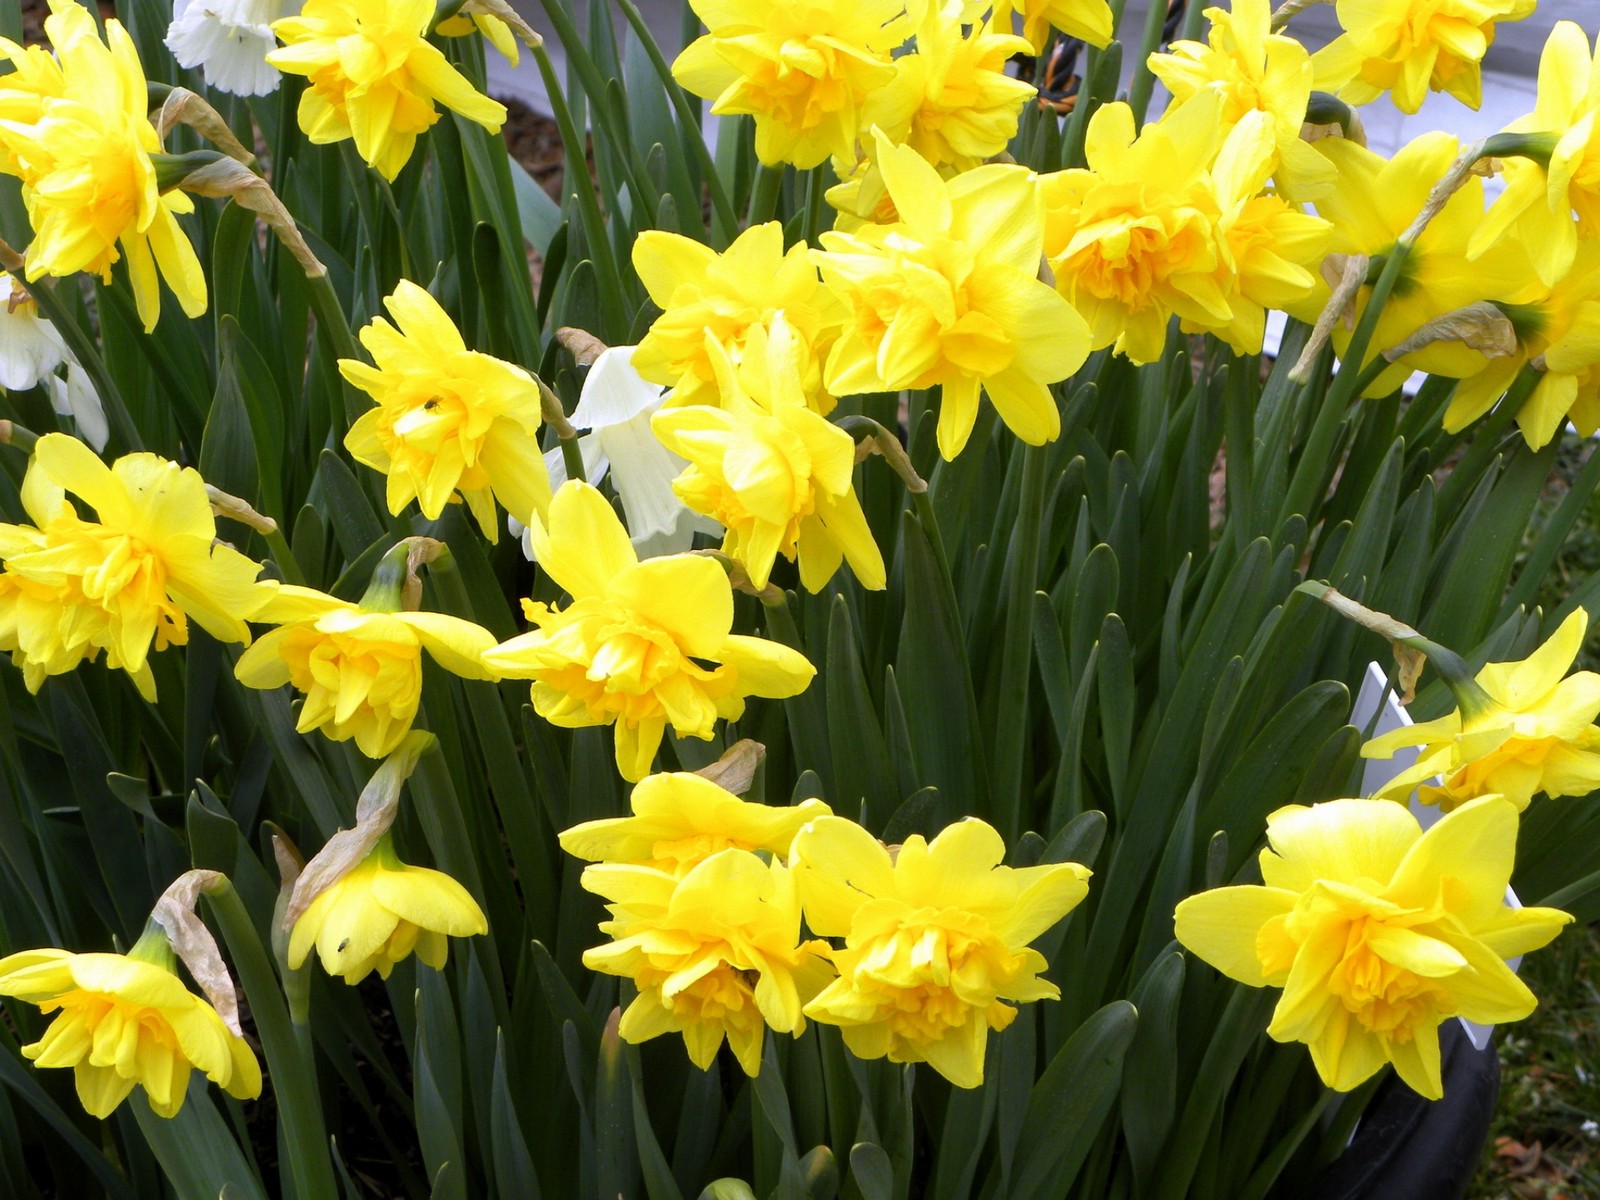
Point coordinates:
pixel 75 397
pixel 229 41
pixel 30 347
pixel 616 406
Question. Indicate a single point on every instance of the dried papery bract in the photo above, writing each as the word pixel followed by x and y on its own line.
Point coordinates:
pixel 735 771
pixel 183 107
pixel 375 812
pixel 226 179
pixel 192 942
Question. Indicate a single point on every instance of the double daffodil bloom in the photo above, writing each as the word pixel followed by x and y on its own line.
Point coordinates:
pixel 1560 332
pixel 1371 206
pixel 1540 197
pixel 373 76
pixel 71 588
pixel 1132 239
pixel 1268 250
pixel 80 138
pixel 935 938
pixel 1535 732
pixel 966 105
pixel 1376 931
pixel 1087 20
pixel 381 911
pixel 128 1020
pixel 360 667
pixel 706 298
pixel 950 295
pixel 1409 47
pixel 681 819
pixel 1253 70
pixel 714 954
pixel 642 644
pixel 777 476
pixel 450 421
pixel 815 74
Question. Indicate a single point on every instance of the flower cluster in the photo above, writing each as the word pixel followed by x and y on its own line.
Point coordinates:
pixel 707 923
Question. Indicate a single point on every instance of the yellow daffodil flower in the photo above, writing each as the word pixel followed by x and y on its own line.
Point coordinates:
pixel 81 144
pixel 1268 249
pixel 860 197
pixel 1535 734
pixel 1410 47
pixel 936 938
pixel 709 297
pixel 126 1020
pixel 715 954
pixel 360 666
pixel 1560 332
pixel 1539 198
pixel 1087 20
pixel 950 295
pixel 1253 70
pixel 815 74
pixel 1372 204
pixel 681 819
pixel 495 31
pixel 373 76
pixel 1132 239
pixel 628 650
pixel 1376 931
pixel 70 588
pixel 450 421
pixel 379 912
pixel 966 105
pixel 774 474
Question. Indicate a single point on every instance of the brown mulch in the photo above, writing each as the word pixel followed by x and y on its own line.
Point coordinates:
pixel 535 142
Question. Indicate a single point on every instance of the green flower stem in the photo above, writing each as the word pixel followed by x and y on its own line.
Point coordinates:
pixel 336 327
pixel 572 458
pixel 1535 146
pixel 930 525
pixel 284 556
pixel 605 262
pixel 289 1062
pixel 725 223
pixel 1016 649
pixel 1144 79
pixel 816 204
pixel 1347 386
pixel 764 195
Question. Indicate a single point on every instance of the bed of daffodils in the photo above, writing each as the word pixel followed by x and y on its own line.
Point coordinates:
pixel 820 665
